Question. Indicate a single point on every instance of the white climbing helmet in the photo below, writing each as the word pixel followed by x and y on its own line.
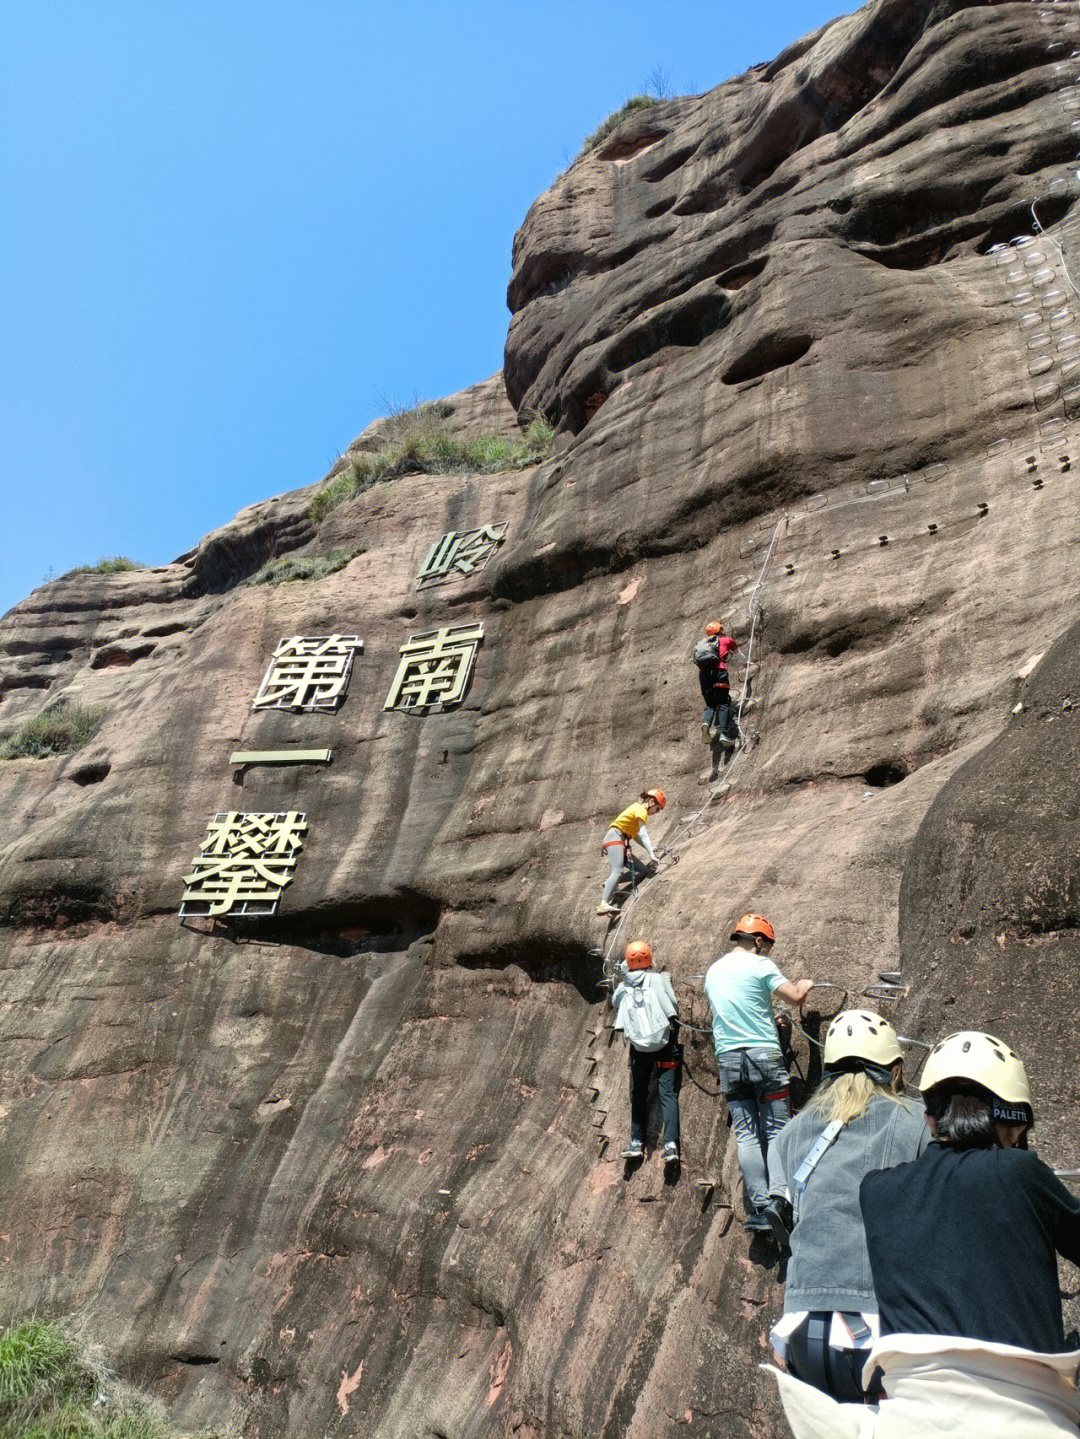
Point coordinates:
pixel 981 1060
pixel 859 1034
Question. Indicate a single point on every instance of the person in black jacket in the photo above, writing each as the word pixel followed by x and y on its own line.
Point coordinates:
pixel 963 1240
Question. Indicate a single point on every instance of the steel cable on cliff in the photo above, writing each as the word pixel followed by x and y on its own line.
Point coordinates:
pixel 754 611
pixel 673 850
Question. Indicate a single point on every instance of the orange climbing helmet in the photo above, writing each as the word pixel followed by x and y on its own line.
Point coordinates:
pixel 638 955
pixel 656 794
pixel 714 627
pixel 752 924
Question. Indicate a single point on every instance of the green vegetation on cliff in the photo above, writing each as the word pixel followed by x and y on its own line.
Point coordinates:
pixel 108 565
pixel 416 441
pixel 615 119
pixel 52 1387
pixel 60 728
pixel 287 568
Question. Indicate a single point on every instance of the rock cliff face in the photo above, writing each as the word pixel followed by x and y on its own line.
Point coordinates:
pixel 350 1170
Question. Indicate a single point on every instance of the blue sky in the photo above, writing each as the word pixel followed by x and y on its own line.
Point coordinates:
pixel 233 228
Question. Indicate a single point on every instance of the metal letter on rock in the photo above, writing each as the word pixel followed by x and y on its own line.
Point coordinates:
pixel 467 551
pixel 435 668
pixel 244 863
pixel 308 672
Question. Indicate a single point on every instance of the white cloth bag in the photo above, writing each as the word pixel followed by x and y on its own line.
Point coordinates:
pixel 962 1388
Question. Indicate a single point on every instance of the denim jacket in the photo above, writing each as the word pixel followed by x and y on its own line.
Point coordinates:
pixel 829 1266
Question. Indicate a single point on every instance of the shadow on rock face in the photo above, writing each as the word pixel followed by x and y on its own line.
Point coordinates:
pixel 990 899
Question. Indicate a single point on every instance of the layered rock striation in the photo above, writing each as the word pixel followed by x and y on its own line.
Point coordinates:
pixel 350 1169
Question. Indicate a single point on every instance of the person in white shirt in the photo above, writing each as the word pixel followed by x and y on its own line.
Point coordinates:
pixel 739 987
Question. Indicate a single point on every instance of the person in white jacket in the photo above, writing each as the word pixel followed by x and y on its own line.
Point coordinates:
pixel 648 1014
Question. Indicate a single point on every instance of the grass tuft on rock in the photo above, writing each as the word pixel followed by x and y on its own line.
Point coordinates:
pixel 615 119
pixel 49 1389
pixel 108 565
pixel 287 568
pixel 60 728
pixel 416 441
pixel 53 1387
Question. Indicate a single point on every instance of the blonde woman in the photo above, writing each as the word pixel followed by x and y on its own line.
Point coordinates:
pixel 857 1120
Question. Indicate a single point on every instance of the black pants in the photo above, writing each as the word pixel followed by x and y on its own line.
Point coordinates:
pixel 666 1064
pixel 719 710
pixel 811 1358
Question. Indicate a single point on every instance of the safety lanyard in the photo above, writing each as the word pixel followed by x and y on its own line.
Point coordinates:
pixel 823 1142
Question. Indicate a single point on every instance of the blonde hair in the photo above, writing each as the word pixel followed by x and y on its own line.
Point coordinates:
pixel 847 1096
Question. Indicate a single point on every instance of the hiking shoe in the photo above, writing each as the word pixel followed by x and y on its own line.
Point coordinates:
pixel 727 741
pixel 671 1152
pixel 706 735
pixel 757 1223
pixel 634 1150
pixel 779 1218
pixel 608 909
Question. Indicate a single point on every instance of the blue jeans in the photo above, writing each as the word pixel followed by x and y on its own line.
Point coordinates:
pixel 757 1089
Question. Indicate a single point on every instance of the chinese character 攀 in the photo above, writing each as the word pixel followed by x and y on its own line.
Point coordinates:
pixel 244 863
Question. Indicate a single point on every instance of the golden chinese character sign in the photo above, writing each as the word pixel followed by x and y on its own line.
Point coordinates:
pixel 435 668
pixel 244 863
pixel 308 672
pixel 466 551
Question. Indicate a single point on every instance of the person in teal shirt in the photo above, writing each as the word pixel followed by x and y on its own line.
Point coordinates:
pixel 754 1079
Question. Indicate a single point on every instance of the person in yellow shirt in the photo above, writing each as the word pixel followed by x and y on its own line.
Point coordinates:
pixel 626 826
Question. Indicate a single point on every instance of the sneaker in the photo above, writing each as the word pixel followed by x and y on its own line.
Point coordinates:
pixel 713 732
pixel 706 734
pixel 634 1150
pixel 779 1218
pixel 727 741
pixel 757 1223
pixel 608 909
pixel 671 1152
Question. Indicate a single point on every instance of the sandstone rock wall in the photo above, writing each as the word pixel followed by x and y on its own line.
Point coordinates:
pixel 345 1171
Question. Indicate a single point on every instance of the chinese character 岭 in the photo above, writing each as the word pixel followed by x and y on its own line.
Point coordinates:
pixel 466 551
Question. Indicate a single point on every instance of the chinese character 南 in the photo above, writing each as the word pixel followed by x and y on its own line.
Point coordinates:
pixel 244 863
pixel 466 551
pixel 308 672
pixel 435 668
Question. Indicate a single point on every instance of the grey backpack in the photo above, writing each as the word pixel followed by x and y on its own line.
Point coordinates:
pixel 644 1022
